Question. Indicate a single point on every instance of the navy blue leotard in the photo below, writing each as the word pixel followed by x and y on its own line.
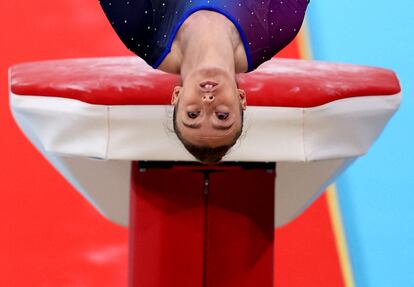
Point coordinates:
pixel 148 27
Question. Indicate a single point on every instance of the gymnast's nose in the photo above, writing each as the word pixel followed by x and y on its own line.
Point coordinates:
pixel 208 98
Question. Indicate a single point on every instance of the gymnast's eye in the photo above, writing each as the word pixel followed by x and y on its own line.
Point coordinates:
pixel 193 115
pixel 222 115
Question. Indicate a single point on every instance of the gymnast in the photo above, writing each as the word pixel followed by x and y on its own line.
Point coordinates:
pixel 207 43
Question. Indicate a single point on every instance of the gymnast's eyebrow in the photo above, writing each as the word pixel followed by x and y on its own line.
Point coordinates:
pixel 217 127
pixel 223 128
pixel 192 126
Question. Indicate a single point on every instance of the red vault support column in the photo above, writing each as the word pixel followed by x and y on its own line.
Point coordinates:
pixel 198 226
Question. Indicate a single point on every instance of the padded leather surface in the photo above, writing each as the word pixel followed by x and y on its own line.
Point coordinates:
pixel 130 81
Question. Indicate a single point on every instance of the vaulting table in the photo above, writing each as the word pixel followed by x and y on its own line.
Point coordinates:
pixel 105 125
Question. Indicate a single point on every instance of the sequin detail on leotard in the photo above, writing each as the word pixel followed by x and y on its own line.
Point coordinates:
pixel 148 27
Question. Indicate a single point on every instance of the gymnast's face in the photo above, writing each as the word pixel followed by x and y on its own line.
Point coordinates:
pixel 208 108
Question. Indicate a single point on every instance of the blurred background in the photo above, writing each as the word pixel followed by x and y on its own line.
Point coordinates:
pixel 377 192
pixel 50 235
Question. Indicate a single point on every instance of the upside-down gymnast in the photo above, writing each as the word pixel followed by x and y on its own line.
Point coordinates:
pixel 206 42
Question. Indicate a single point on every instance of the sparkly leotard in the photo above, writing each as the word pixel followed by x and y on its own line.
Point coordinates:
pixel 148 27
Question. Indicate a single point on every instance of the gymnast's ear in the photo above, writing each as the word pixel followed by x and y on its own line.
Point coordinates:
pixel 175 94
pixel 242 97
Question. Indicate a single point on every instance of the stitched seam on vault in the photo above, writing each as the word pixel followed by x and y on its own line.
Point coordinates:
pixel 305 155
pixel 108 133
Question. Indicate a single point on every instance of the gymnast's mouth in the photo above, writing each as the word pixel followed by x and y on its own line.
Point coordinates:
pixel 208 86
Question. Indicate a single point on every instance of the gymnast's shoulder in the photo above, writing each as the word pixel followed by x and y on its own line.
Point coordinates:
pixel 171 63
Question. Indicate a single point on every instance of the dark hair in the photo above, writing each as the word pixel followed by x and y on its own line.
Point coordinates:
pixel 205 154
